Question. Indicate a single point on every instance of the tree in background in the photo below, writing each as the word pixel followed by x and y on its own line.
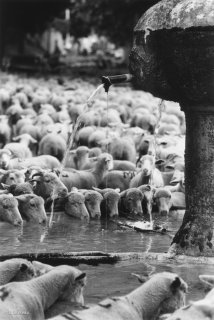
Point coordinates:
pixel 115 18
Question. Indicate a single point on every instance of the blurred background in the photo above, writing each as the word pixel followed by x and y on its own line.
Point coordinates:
pixel 68 35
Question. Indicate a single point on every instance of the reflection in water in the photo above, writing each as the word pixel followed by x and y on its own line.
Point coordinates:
pixel 68 234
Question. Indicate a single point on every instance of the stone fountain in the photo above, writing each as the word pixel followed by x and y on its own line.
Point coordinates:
pixel 173 58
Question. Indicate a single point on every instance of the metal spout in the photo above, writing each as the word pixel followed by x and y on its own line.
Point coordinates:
pixel 109 80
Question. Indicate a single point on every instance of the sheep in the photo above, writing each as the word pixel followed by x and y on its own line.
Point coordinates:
pixel 5 157
pixel 16 269
pixel 163 200
pixel 148 197
pixel 163 293
pixel 87 179
pixel 22 122
pixel 117 179
pixel 27 141
pixel 5 131
pixel 145 145
pixel 120 148
pixel 123 165
pixel 145 121
pixel 13 176
pixel 52 144
pixel 92 202
pixel 75 205
pixel 32 130
pixel 32 208
pixel 197 310
pixel 109 204
pixel 43 161
pixel 58 128
pixel 18 150
pixel 18 189
pixel 82 157
pixel 148 173
pixel 96 137
pixel 82 136
pixel 94 152
pixel 9 211
pixel 14 113
pixel 130 203
pixel 48 185
pixel 31 299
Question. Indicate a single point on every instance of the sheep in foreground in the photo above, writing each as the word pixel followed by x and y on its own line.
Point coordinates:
pixel 31 299
pixel 16 269
pixel 162 293
pixel 197 310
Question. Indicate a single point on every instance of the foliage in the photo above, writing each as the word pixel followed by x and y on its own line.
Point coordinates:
pixel 115 18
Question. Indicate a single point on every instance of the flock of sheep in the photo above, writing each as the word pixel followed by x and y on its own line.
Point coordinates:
pixel 124 157
pixel 121 155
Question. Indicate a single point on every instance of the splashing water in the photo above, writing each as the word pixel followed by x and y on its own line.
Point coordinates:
pixel 90 99
pixel 70 142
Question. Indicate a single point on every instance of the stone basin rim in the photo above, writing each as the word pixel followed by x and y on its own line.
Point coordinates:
pixel 115 257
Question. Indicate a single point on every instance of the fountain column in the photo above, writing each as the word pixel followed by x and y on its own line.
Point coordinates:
pixel 173 58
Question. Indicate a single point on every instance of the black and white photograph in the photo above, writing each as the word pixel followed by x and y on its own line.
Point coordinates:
pixel 106 159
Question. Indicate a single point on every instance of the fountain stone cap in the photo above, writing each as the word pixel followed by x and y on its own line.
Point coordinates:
pixel 173 51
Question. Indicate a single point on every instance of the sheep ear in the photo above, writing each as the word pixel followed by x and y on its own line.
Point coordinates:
pixel 207 279
pixel 32 140
pixel 74 189
pixel 17 138
pixel 170 167
pixel 2 171
pixel 94 159
pixel 65 175
pixel 41 268
pixel 159 161
pixel 80 277
pixel 123 194
pixel 23 267
pixel 101 191
pixel 57 171
pixel 141 279
pixel 117 190
pixel 21 198
pixel 5 186
pixel 175 284
pixel 8 152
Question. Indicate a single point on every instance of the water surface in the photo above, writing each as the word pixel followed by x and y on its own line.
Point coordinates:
pixel 68 235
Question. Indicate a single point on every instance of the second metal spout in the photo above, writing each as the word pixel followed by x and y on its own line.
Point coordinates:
pixel 109 80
